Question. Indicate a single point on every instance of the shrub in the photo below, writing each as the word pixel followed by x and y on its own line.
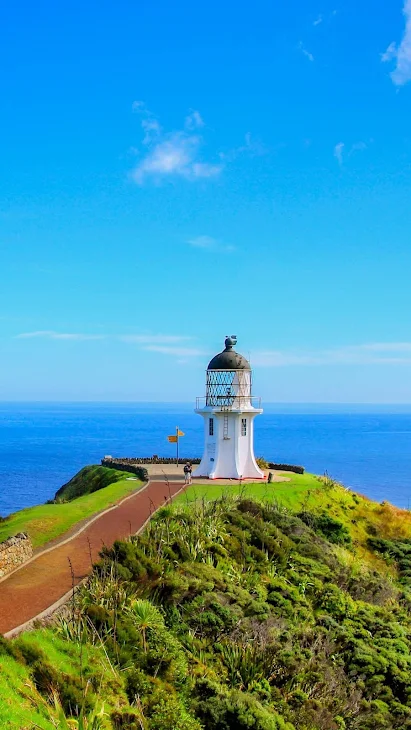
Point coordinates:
pixel 325 525
pixel 126 720
pixel 68 688
pixel 166 710
pixel 239 711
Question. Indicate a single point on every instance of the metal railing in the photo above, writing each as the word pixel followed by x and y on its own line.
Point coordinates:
pixel 228 402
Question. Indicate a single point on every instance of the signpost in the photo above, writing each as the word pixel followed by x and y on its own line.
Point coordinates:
pixel 175 439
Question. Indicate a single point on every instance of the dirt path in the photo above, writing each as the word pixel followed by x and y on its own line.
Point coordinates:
pixel 37 586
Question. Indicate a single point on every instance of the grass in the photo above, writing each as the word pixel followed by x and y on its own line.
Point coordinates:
pixel 46 522
pixel 19 701
pixel 291 493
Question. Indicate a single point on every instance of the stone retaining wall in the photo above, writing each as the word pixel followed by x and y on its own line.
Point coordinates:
pixel 14 552
pixel 135 460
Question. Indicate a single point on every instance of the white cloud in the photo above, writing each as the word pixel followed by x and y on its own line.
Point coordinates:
pixel 209 243
pixel 374 353
pixel 172 154
pixel 338 152
pixel 402 53
pixel 306 53
pixel 51 335
pixel 319 20
pixel 176 155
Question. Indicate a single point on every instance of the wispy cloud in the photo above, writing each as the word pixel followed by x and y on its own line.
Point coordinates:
pixel 174 154
pixel 173 345
pixel 401 54
pixel 174 350
pixel 194 120
pixel 387 347
pixel 324 18
pixel 374 353
pixel 153 339
pixel 304 51
pixel 51 335
pixel 208 243
pixel 251 148
pixel 358 147
pixel 390 53
pixel 167 344
pixel 339 152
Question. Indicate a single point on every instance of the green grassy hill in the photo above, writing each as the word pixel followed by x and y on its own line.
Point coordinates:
pixel 88 480
pixel 100 488
pixel 232 615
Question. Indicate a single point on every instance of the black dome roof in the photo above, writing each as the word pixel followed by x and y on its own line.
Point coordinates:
pixel 229 359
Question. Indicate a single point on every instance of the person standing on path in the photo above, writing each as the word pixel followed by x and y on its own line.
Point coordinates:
pixel 187 473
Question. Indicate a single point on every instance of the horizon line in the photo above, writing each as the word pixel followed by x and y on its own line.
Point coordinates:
pixel 188 402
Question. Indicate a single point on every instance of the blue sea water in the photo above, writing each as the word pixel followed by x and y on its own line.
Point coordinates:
pixel 43 444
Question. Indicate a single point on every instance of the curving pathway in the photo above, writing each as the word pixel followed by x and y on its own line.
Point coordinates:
pixel 39 585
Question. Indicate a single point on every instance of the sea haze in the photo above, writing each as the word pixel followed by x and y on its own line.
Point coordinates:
pixel 42 445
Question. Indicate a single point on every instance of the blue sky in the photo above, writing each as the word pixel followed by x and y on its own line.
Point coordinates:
pixel 175 172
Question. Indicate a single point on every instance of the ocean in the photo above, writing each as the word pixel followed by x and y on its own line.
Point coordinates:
pixel 42 445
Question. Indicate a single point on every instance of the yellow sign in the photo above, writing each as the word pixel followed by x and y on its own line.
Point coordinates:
pixel 172 439
pixel 180 433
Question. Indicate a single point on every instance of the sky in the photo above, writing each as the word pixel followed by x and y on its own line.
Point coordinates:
pixel 172 173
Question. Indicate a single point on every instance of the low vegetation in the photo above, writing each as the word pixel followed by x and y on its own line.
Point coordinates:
pixel 235 614
pixel 49 521
pixel 300 493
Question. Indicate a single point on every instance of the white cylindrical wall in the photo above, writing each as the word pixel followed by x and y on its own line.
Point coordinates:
pixel 228 451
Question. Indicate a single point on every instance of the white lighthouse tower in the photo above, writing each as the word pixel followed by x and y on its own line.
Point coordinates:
pixel 229 409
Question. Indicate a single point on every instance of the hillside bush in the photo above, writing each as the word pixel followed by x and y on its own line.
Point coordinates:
pixel 325 525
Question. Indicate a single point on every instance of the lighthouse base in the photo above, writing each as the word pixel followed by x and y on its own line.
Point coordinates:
pixel 228 448
pixel 248 478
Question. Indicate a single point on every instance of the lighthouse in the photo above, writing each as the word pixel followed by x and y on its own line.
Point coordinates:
pixel 229 410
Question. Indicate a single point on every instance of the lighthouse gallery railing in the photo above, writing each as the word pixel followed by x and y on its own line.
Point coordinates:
pixel 228 402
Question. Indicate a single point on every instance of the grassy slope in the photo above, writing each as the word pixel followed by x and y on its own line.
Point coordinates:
pixel 22 706
pixel 88 480
pixel 48 521
pixel 291 493
pixel 307 492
